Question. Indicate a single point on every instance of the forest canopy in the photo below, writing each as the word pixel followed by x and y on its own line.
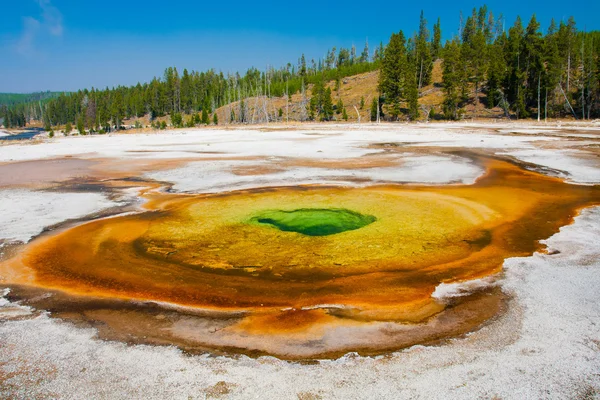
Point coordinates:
pixel 525 70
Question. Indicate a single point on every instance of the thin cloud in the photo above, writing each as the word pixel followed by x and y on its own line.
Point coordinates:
pixel 26 44
pixel 51 22
pixel 52 17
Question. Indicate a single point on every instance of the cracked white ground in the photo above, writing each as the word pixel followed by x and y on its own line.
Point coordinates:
pixel 547 345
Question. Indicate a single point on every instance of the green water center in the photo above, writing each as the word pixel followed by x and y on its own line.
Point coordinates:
pixel 314 221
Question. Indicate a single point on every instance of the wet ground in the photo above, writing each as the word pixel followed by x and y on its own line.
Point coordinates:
pixel 230 284
pixel 197 270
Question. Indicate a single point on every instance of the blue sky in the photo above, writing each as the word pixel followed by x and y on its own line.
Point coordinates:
pixel 72 44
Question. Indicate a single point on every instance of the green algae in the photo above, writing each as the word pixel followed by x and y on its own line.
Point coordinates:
pixel 314 221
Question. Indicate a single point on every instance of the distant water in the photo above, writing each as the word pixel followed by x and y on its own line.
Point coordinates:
pixel 28 134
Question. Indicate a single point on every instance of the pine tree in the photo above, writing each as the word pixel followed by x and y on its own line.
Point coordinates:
pixel 412 93
pixel 302 66
pixel 80 125
pixel 391 77
pixel 117 110
pixel 215 119
pixel 379 52
pixel 321 104
pixel 364 56
pixel 374 106
pixel 90 112
pixel 552 61
pixel 423 62
pixel 343 58
pixel 339 106
pixel 436 44
pixel 176 120
pixel 205 118
pixel 186 92
pixel 451 79
pixel 534 62
pixel 327 106
pixel 242 111
pixel 516 71
pixel 496 74
pixel 474 51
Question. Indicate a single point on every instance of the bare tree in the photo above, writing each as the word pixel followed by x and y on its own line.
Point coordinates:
pixel 357 113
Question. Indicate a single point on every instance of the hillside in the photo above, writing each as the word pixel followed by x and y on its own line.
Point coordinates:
pixel 352 89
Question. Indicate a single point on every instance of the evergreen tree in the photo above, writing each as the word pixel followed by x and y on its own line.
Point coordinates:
pixel 516 69
pixel 215 119
pixel 474 51
pixel 374 106
pixel 176 120
pixel 553 69
pixel 242 113
pixel 205 118
pixel 321 104
pixel 393 72
pixel 327 114
pixel 412 94
pixel 496 74
pixel 343 58
pixel 436 44
pixel 186 92
pixel 80 125
pixel 451 79
pixel 339 106
pixel 534 62
pixel 423 63
pixel 379 52
pixel 90 113
pixel 364 56
pixel 302 66
pixel 117 109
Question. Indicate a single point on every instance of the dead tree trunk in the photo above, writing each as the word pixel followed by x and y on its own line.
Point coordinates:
pixel 539 87
pixel 567 100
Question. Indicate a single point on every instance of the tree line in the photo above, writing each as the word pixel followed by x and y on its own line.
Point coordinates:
pixel 524 72
pixel 190 93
